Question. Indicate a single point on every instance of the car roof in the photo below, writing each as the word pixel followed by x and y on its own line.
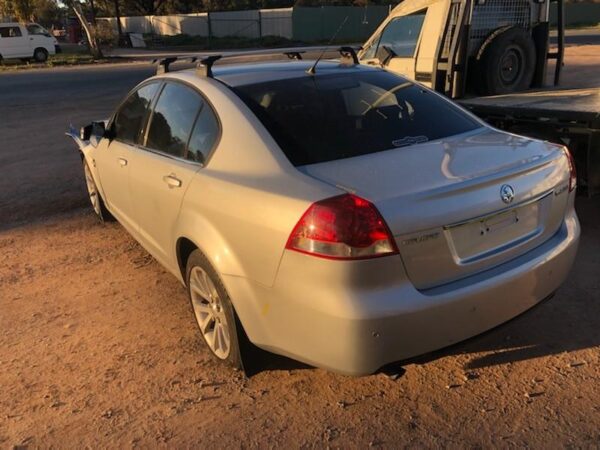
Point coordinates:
pixel 235 75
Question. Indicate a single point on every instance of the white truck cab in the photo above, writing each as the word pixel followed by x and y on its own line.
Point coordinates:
pixel 25 41
pixel 484 47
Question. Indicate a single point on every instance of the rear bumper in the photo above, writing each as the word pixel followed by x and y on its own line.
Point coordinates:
pixel 356 319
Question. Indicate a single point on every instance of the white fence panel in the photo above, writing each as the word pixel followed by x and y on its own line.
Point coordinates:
pixel 136 24
pixel 166 25
pixel 194 24
pixel 250 24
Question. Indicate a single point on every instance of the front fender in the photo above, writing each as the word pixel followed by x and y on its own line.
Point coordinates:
pixel 86 150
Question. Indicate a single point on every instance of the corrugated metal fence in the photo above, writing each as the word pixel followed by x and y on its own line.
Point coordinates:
pixel 321 23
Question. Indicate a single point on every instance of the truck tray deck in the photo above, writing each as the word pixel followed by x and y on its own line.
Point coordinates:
pixel 569 116
pixel 563 104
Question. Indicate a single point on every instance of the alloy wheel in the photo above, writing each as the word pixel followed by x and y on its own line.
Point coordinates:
pixel 209 312
pixel 92 190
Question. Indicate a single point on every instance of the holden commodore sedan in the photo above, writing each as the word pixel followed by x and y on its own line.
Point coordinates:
pixel 345 216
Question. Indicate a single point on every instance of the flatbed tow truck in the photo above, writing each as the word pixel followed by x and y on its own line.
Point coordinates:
pixel 491 56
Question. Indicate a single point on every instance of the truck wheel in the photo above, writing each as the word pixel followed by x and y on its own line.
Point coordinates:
pixel 213 310
pixel 95 198
pixel 40 55
pixel 508 63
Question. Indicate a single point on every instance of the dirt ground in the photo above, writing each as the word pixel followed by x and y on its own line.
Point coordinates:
pixel 98 348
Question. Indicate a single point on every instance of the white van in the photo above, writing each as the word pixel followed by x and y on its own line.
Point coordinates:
pixel 26 41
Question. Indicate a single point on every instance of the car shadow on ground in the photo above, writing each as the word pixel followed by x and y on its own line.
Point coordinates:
pixel 566 322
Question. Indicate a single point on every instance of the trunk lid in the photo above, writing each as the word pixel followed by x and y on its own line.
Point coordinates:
pixel 442 200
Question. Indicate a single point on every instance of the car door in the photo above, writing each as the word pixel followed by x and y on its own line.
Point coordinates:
pixel 401 35
pixel 39 37
pixel 164 168
pixel 114 157
pixel 13 43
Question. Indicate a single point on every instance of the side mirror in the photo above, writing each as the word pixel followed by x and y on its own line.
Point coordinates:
pixel 384 54
pixel 93 133
pixel 109 133
pixel 85 132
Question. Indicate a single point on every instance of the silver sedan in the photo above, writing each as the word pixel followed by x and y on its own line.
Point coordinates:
pixel 343 216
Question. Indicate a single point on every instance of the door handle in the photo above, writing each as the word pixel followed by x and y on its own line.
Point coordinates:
pixel 122 162
pixel 172 181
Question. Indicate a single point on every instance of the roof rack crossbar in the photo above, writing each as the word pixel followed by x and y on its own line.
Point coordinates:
pixel 206 62
pixel 163 64
pixel 294 55
pixel 348 54
pixel 204 66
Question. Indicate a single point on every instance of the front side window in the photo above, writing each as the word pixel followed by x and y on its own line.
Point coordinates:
pixel 337 116
pixel 402 34
pixel 8 32
pixel 36 30
pixel 130 117
pixel 173 118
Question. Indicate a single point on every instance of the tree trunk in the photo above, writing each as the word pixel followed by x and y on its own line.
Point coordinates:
pixel 119 28
pixel 90 32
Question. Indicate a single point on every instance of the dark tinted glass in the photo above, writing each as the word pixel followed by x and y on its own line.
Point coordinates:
pixel 130 117
pixel 7 32
pixel 402 34
pixel 173 118
pixel 329 117
pixel 206 131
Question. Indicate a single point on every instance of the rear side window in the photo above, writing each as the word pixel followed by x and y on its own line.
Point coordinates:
pixel 173 118
pixel 402 34
pixel 204 135
pixel 130 117
pixel 330 117
pixel 8 32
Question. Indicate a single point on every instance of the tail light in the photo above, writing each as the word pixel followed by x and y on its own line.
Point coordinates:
pixel 572 170
pixel 343 227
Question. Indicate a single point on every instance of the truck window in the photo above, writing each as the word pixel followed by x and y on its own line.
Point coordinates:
pixel 402 34
pixel 8 32
pixel 37 30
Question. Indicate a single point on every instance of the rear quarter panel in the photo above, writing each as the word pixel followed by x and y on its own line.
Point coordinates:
pixel 241 207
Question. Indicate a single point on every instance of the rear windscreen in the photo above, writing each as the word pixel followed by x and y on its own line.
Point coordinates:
pixel 329 117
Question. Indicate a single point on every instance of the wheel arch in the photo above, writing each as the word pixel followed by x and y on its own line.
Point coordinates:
pixel 486 43
pixel 185 246
pixel 197 233
pixel 183 249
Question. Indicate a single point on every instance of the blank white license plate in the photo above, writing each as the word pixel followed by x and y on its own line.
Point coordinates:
pixel 495 233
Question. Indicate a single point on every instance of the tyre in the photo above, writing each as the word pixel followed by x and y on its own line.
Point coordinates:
pixel 94 195
pixel 40 55
pixel 214 313
pixel 508 62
